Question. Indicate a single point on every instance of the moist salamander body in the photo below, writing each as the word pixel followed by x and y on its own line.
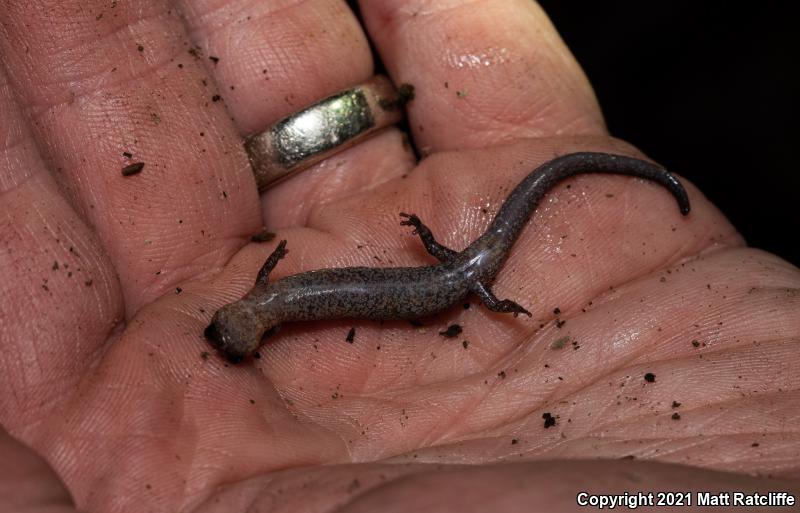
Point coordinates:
pixel 237 329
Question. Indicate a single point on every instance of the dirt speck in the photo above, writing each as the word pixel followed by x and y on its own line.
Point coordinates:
pixel 133 169
pixel 452 331
pixel 263 236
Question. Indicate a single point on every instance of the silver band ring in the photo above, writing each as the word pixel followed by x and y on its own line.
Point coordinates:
pixel 323 129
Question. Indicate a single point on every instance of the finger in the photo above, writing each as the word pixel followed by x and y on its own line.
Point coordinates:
pixel 105 85
pixel 27 483
pixel 59 296
pixel 484 72
pixel 272 59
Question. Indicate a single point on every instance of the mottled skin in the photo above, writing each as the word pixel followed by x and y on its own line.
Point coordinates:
pixel 237 329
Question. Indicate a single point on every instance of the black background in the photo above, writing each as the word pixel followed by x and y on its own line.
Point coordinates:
pixel 709 91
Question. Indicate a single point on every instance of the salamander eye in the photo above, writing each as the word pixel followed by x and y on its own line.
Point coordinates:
pixel 221 343
pixel 213 335
pixel 220 337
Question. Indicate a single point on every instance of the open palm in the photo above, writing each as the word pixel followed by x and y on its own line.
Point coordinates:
pixel 653 336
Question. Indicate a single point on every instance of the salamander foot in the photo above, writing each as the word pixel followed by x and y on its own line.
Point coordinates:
pixel 497 305
pixel 442 253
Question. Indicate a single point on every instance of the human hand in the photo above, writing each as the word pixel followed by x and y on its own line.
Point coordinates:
pixel 109 281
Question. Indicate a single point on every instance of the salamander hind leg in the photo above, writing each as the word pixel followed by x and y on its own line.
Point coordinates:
pixel 270 263
pixel 443 253
pixel 497 305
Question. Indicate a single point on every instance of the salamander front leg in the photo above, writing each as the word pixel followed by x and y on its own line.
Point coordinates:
pixel 442 253
pixel 271 262
pixel 497 305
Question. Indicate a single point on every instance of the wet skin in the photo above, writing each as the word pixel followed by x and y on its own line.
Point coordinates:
pixel 237 329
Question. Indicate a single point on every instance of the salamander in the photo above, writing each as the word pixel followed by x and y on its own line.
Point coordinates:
pixel 238 329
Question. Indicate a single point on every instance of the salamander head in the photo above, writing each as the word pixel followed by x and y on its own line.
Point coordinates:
pixel 236 331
